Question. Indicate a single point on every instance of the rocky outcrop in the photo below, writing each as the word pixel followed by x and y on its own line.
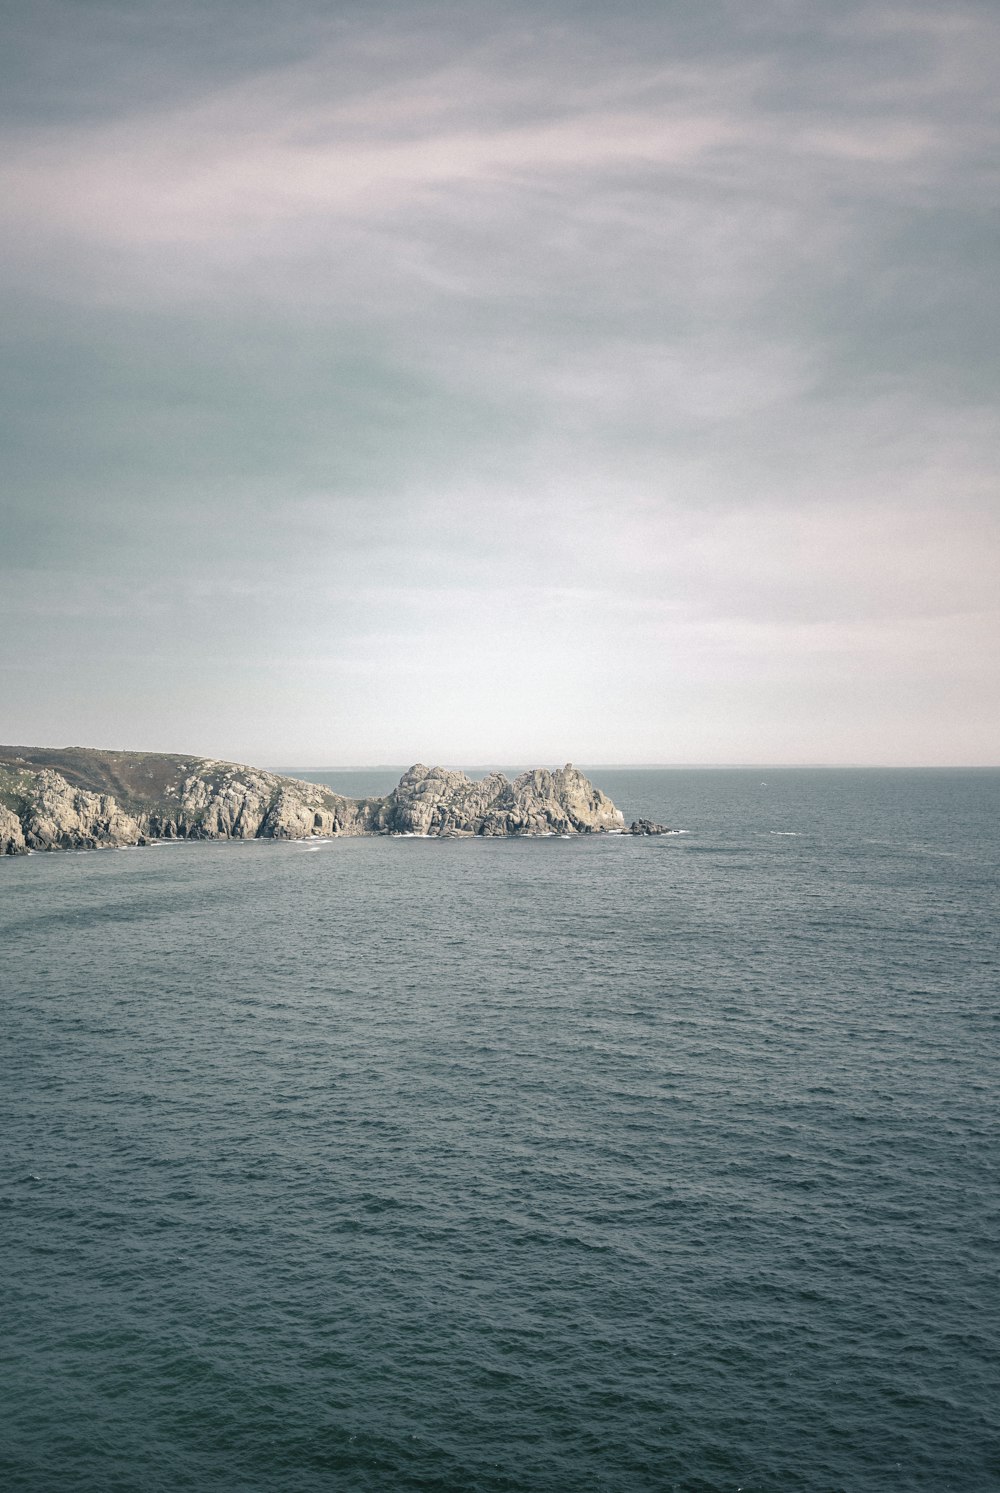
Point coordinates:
pixel 648 827
pixel 433 801
pixel 57 815
pixel 11 833
pixel 223 801
pixel 53 800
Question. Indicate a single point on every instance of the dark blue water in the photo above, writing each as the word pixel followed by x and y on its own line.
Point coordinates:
pixel 597 1164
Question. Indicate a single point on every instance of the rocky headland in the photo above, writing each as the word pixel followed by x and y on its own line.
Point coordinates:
pixel 77 798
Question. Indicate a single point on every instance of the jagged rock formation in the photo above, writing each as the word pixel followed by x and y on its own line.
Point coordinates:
pixel 648 827
pixel 58 815
pixel 433 801
pixel 11 833
pixel 83 799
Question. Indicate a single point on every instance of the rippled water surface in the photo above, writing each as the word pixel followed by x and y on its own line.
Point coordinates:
pixel 537 1164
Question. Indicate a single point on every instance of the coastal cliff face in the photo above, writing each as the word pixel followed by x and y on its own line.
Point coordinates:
pixel 83 799
pixel 433 801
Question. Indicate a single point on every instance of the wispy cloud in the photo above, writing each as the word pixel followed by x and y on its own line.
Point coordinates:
pixel 663 348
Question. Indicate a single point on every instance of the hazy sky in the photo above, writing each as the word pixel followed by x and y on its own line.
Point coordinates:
pixel 468 383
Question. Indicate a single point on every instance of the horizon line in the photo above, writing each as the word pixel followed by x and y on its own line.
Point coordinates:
pixel 498 764
pixel 674 766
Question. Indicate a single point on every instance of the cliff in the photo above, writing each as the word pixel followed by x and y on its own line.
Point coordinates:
pixel 77 798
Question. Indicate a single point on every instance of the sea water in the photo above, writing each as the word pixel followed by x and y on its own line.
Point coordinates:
pixel 591 1164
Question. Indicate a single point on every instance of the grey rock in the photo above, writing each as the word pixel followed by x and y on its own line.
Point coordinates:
pixel 11 833
pixel 57 815
pixel 648 827
pixel 434 801
pixel 55 799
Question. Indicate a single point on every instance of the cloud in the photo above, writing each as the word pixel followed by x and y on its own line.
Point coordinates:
pixel 660 349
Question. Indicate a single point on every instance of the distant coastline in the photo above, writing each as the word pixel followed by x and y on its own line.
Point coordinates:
pixel 83 798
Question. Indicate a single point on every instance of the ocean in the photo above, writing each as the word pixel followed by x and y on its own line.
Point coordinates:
pixel 591 1164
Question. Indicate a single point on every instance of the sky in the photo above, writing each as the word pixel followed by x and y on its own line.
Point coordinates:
pixel 469 383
